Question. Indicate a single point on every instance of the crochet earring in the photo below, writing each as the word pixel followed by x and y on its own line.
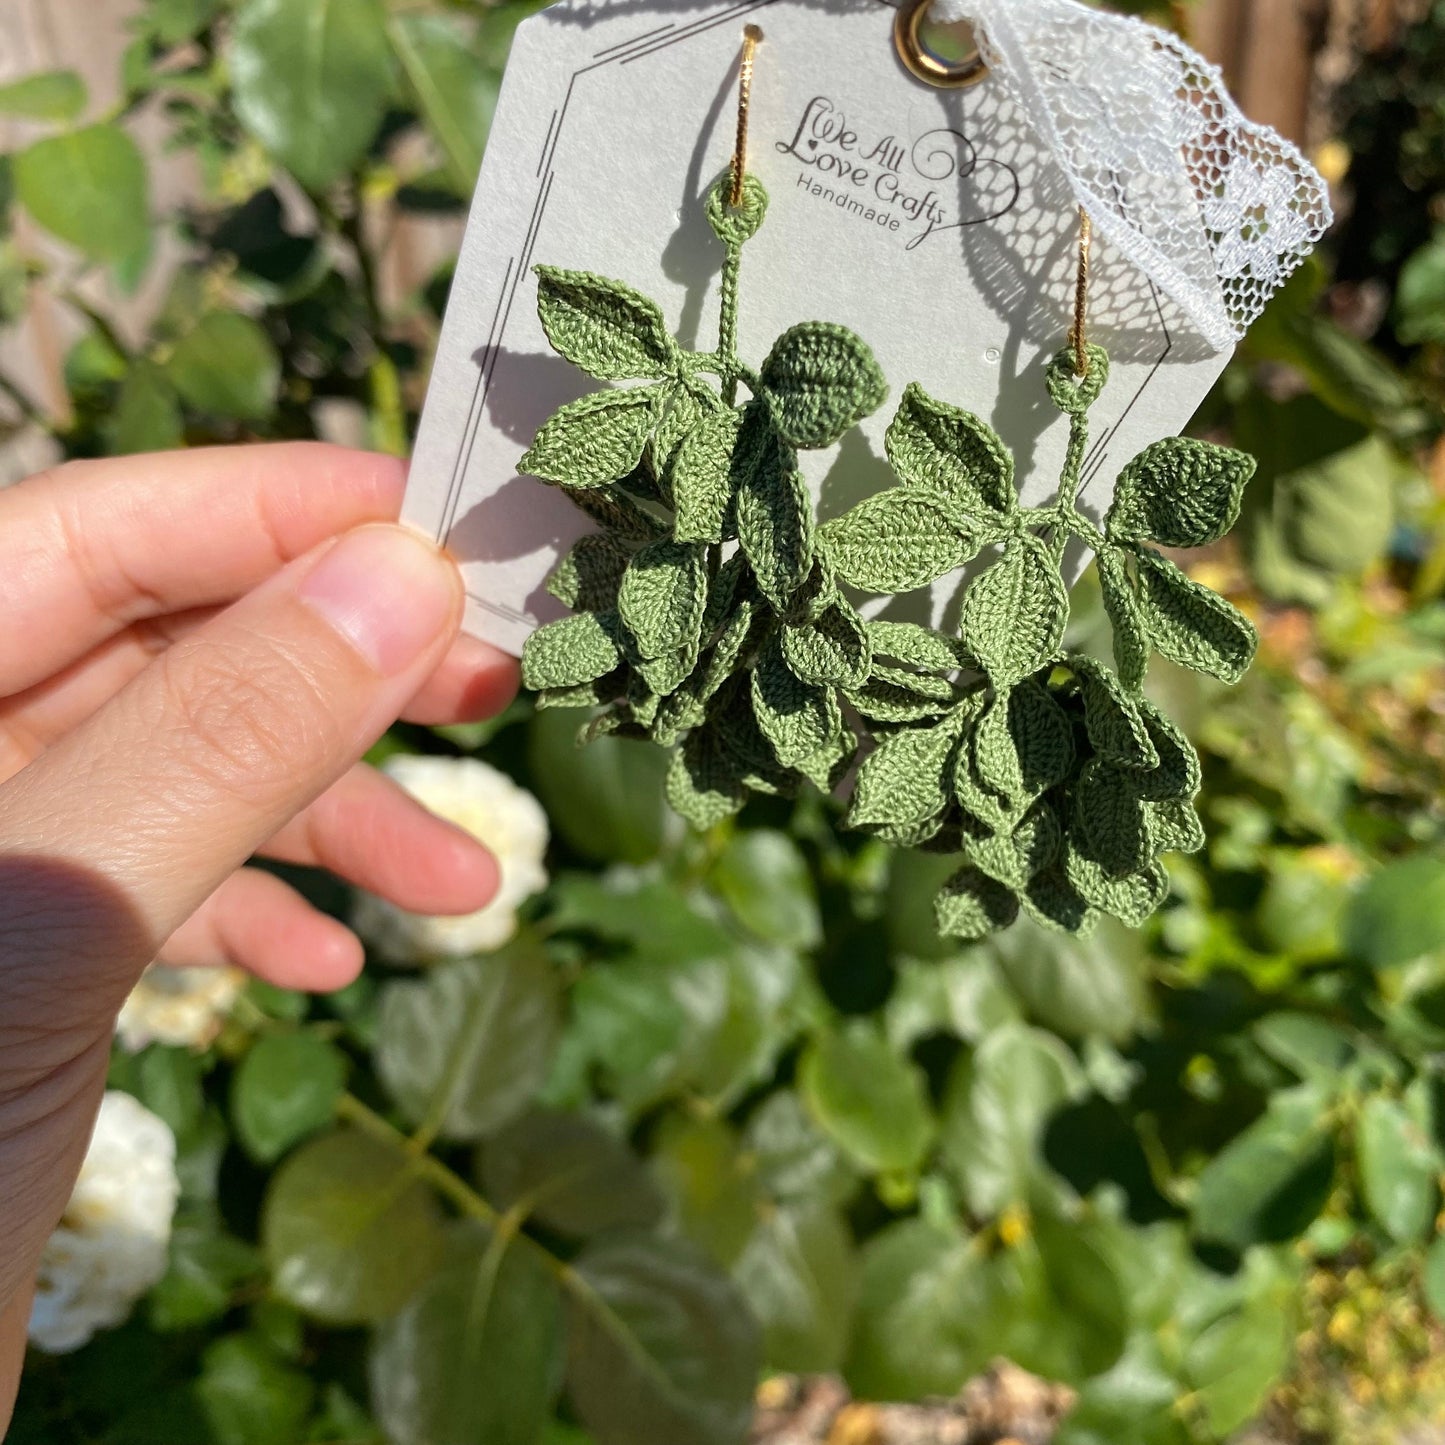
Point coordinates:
pixel 1050 774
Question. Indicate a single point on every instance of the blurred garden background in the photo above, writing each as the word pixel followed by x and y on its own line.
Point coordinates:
pixel 696 1138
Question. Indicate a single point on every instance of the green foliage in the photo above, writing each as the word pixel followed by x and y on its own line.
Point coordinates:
pixel 730 1104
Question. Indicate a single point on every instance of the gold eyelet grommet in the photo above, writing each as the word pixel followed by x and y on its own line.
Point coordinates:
pixel 922 62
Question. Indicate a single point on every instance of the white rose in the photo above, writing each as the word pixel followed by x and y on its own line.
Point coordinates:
pixel 111 1246
pixel 181 1006
pixel 487 804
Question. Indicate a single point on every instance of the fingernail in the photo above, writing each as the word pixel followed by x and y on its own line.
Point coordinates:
pixel 388 592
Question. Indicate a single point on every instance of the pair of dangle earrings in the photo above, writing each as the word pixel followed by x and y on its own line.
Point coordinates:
pixel 711 614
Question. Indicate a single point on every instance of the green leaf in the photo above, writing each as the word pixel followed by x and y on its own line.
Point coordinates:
pixel 820 381
pixel 662 597
pixel 791 1158
pixel 774 510
pixel 227 366
pixel 931 444
pixel 1114 721
pixel 920 1329
pixel 1015 612
pixel 915 646
pixel 249 1397
pixel 466 1049
pixel 571 1174
pixel 1420 295
pixel 607 799
pixel 589 577
pixel 799 1276
pixel 476 1355
pixel 597 440
pixel 765 880
pixel 285 1089
pixel 798 718
pixel 832 649
pixel 454 91
pixel 1270 1182
pixel 334 1216
pixel 571 651
pixel 704 781
pixel 869 1100
pixel 972 906
pixel 1111 826
pixel 1076 987
pixel 964 996
pixel 999 1101
pixel 51 95
pixel 1192 625
pixel 897 540
pixel 1180 493
pixel 716 1199
pixel 90 187
pixel 147 415
pixel 1236 1362
pixel 312 79
pixel 1399 913
pixel 609 330
pixel 1126 618
pixel 906 779
pixel 1399 1169
pixel 207 1268
pixel 1434 1278
pixel 707 470
pixel 172 21
pixel 660 1346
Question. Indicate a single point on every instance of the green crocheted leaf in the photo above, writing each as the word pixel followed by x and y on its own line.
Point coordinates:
pixel 1179 493
pixel 597 440
pixel 1126 617
pixel 617 513
pixel 1053 901
pixel 588 694
pixel 571 652
pixel 587 579
pixel 907 779
pixel 798 718
pixel 662 597
pixel 898 540
pixel 917 646
pixel 729 587
pixel 1132 899
pixel 1191 625
pixel 833 650
pixel 995 754
pixel 1042 736
pixel 821 381
pixel 664 675
pixel 611 331
pixel 1014 614
pixel 892 695
pixel 1111 826
pixel 827 768
pixel 972 906
pixel 678 714
pixel 1178 775
pixel 1016 857
pixel 774 511
pixel 682 411
pixel 931 444
pixel 1176 824
pixel 1114 721
pixel 704 784
pixel 704 477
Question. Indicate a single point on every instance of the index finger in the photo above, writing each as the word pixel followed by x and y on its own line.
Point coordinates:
pixel 91 547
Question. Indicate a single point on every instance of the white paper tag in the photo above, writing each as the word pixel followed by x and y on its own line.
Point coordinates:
pixel 934 223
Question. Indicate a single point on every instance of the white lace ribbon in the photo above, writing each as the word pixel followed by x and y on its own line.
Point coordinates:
pixel 1216 210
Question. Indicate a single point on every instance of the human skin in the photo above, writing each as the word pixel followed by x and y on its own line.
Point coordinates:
pixel 195 651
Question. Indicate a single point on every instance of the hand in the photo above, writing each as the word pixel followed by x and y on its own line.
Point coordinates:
pixel 195 649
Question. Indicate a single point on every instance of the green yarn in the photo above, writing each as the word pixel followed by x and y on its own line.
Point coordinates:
pixel 1058 783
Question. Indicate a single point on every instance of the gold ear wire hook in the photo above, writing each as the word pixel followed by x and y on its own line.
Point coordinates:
pixel 1078 334
pixel 751 36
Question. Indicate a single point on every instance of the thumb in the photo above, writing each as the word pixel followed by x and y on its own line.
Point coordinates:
pixel 192 767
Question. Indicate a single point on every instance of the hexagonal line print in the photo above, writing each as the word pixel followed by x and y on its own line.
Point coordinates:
pixel 635 49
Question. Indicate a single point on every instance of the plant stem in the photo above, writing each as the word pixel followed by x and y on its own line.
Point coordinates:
pixel 729 363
